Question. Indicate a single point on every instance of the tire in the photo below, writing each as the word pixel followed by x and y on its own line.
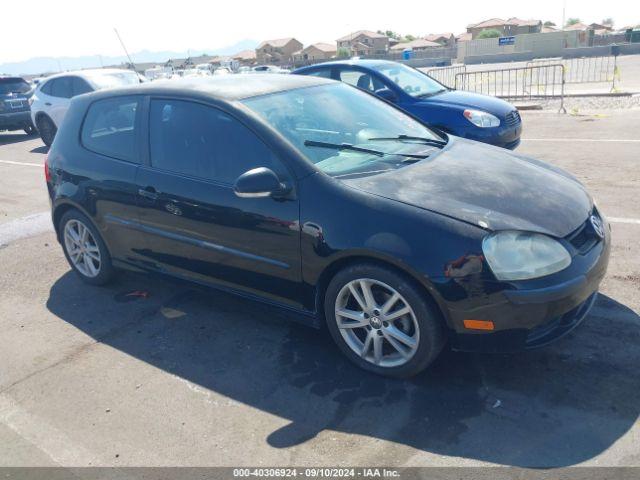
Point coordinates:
pixel 418 334
pixel 92 270
pixel 47 129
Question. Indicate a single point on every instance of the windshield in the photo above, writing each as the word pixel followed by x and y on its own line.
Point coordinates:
pixel 412 81
pixel 119 79
pixel 13 85
pixel 345 131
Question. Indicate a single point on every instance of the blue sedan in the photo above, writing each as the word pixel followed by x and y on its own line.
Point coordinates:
pixel 464 114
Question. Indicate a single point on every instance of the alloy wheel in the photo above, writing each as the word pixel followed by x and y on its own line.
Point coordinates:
pixel 377 322
pixel 82 248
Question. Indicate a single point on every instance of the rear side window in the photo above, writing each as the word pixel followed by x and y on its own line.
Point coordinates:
pixel 111 128
pixel 46 88
pixel 62 87
pixel 322 72
pixel 80 86
pixel 200 141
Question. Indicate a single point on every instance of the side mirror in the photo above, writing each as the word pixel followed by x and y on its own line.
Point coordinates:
pixel 259 182
pixel 387 94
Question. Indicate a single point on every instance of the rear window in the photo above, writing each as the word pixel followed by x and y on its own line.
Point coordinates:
pixel 13 85
pixel 111 128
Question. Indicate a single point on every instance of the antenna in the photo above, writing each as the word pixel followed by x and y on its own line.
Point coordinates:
pixel 125 50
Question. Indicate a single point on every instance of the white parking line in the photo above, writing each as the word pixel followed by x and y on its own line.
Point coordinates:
pixel 602 140
pixel 624 220
pixel 26 164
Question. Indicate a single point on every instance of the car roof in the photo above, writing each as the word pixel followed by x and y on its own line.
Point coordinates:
pixel 371 63
pixel 221 87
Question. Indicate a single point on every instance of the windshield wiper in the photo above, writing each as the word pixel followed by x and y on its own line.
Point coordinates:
pixel 353 148
pixel 400 138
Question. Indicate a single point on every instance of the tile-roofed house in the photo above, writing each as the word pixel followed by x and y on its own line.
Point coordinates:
pixel 509 27
pixel 417 44
pixel 316 51
pixel 245 57
pixel 364 42
pixel 277 51
pixel 448 39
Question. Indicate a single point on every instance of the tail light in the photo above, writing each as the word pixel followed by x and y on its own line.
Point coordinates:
pixel 47 173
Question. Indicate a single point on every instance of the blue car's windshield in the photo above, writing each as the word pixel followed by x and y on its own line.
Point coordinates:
pixel 413 82
pixel 326 122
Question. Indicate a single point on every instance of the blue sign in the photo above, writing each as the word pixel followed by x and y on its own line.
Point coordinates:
pixel 506 41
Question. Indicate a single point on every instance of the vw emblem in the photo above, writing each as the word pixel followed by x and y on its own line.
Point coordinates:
pixel 596 223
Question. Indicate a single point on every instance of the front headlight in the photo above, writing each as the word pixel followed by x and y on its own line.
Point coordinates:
pixel 514 255
pixel 481 119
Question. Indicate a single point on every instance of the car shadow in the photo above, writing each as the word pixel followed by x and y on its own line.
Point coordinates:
pixel 7 138
pixel 556 406
pixel 42 149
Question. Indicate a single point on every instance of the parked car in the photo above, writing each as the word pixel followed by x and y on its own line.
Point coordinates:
pixel 268 69
pixel 464 114
pixel 340 208
pixel 14 104
pixel 51 97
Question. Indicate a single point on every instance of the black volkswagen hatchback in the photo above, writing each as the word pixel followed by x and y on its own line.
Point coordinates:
pixel 317 197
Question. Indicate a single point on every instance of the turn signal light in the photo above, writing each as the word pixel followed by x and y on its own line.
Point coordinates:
pixel 47 173
pixel 478 324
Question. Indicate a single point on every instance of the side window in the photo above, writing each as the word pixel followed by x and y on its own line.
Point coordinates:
pixel 111 128
pixel 80 86
pixel 361 80
pixel 46 88
pixel 62 87
pixel 194 139
pixel 322 72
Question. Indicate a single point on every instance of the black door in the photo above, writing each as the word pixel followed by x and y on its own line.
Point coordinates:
pixel 195 224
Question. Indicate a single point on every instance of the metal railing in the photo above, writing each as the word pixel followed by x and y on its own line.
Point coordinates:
pixel 446 75
pixel 583 69
pixel 518 83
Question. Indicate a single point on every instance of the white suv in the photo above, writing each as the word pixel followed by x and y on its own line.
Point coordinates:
pixel 51 98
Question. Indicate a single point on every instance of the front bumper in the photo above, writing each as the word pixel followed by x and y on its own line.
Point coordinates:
pixel 503 136
pixel 528 317
pixel 15 120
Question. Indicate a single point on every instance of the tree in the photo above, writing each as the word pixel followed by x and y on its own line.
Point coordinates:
pixel 572 21
pixel 343 53
pixel 409 38
pixel 549 24
pixel 608 22
pixel 489 33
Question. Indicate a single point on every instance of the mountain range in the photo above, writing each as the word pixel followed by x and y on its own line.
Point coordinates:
pixel 39 65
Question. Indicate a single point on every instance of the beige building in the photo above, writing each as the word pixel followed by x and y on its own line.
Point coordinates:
pixel 446 39
pixel 364 42
pixel 277 51
pixel 415 45
pixel 317 51
pixel 245 57
pixel 507 28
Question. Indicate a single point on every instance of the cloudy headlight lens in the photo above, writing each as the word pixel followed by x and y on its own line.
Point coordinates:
pixel 481 119
pixel 522 255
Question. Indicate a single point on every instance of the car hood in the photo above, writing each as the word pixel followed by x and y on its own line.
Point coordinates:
pixel 487 186
pixel 471 100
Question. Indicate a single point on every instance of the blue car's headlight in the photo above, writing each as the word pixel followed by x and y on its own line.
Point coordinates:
pixel 481 119
pixel 514 255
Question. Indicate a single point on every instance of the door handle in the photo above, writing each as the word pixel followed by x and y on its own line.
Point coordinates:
pixel 148 192
pixel 47 104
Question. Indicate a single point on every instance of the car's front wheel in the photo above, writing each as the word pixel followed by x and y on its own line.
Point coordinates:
pixel 47 130
pixel 84 248
pixel 382 321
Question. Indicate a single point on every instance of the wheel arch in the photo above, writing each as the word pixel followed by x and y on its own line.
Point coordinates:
pixel 339 264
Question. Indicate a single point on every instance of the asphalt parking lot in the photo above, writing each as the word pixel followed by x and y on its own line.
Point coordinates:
pixel 188 376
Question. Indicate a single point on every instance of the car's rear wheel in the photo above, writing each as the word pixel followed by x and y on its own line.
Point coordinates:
pixel 47 130
pixel 382 321
pixel 84 248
